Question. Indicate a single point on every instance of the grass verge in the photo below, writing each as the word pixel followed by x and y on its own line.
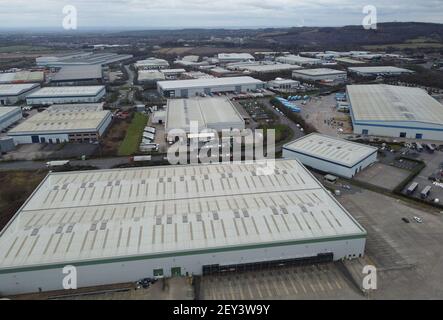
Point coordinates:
pixel 130 144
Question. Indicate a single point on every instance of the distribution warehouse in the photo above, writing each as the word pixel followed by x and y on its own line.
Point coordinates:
pixel 56 95
pixel 379 71
pixel 22 77
pixel 209 113
pixel 13 93
pixel 78 75
pixel 194 87
pixel 321 74
pixel 393 111
pixel 81 59
pixel 63 123
pixel 118 226
pixel 9 115
pixel 331 155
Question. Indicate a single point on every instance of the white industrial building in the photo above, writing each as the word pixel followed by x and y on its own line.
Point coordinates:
pixel 331 155
pixel 81 59
pixel 194 87
pixel 151 64
pixel 61 95
pixel 321 74
pixel 298 60
pixel 172 74
pixel 208 113
pixel 270 68
pixel 379 71
pixel 150 75
pixel 284 84
pixel 12 93
pixel 224 58
pixel 58 124
pixel 394 111
pixel 9 116
pixel 118 226
pixel 78 75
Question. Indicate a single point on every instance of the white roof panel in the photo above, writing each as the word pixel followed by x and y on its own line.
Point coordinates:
pixel 393 103
pixel 331 149
pixel 16 89
pixel 203 83
pixel 54 92
pixel 95 215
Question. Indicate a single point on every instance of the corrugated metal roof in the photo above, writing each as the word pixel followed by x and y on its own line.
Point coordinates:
pixel 393 103
pixel 107 214
pixel 207 83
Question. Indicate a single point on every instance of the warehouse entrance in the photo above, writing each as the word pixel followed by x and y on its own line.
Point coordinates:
pixel 320 258
pixel 176 272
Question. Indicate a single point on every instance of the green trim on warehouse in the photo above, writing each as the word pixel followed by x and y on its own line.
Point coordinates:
pixel 181 253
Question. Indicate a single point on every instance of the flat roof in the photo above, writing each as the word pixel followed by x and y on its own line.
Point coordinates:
pixel 152 62
pixel 244 56
pixel 152 75
pixel 382 102
pixel 63 120
pixel 210 112
pixel 5 111
pixel 202 83
pixel 379 69
pixel 167 71
pixel 271 67
pixel 298 59
pixel 22 76
pixel 331 149
pixel 76 91
pixel 319 72
pixel 72 73
pixel 16 89
pixel 128 214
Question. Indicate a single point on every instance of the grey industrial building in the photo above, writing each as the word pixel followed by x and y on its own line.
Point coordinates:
pixel 63 123
pixel 331 155
pixel 78 75
pixel 13 93
pixel 81 59
pixel 195 87
pixel 9 116
pixel 379 71
pixel 395 111
pixel 22 77
pixel 320 74
pixel 118 226
pixel 63 95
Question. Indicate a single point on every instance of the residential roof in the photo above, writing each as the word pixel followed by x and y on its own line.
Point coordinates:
pixel 16 89
pixel 331 149
pixel 379 69
pixel 393 103
pixel 127 214
pixel 63 120
pixel 319 72
pixel 83 72
pixel 76 91
pixel 215 113
pixel 203 83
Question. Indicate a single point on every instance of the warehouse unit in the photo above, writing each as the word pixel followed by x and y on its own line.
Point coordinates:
pixel 59 124
pixel 78 75
pixel 224 58
pixel 190 88
pixel 9 116
pixel 270 68
pixel 331 155
pixel 297 60
pixel 379 71
pixel 146 76
pixel 22 77
pixel 209 113
pixel 81 59
pixel 321 74
pixel 118 226
pixel 283 84
pixel 394 111
pixel 172 74
pixel 12 93
pixel 151 64
pixel 61 95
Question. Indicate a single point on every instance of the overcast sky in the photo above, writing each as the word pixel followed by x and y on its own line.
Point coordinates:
pixel 212 13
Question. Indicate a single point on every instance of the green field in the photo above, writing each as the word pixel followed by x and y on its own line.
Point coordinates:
pixel 401 46
pixel 131 143
pixel 12 49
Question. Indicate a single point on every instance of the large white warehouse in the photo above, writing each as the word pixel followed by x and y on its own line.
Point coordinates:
pixel 208 113
pixel 119 226
pixel 58 124
pixel 12 93
pixel 320 74
pixel 393 111
pixel 9 115
pixel 194 87
pixel 331 155
pixel 298 60
pixel 60 95
pixel 379 71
